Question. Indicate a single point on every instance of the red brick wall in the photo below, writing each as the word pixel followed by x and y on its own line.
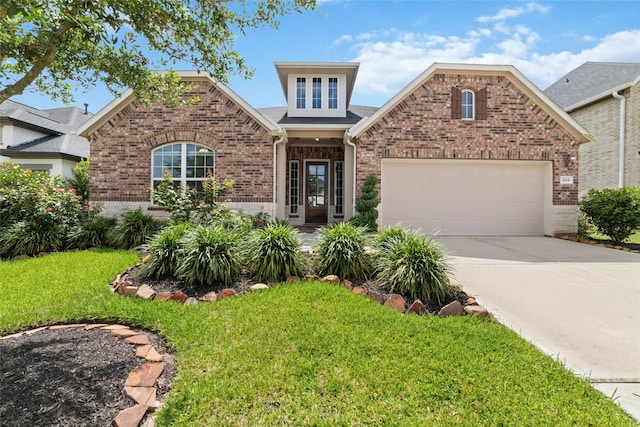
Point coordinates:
pixel 121 148
pixel 516 128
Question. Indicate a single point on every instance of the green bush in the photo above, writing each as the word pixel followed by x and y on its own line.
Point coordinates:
pixel 385 237
pixel 163 251
pixel 135 229
pixel 91 233
pixel 31 238
pixel 274 253
pixel 615 213
pixel 340 251
pixel 367 205
pixel 209 255
pixel 80 180
pixel 414 265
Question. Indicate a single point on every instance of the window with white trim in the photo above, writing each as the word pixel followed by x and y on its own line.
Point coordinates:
pixel 467 105
pixel 294 186
pixel 316 93
pixel 189 164
pixel 301 92
pixel 339 187
pixel 332 97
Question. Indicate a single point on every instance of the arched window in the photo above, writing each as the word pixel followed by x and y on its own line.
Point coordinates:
pixel 467 105
pixel 189 164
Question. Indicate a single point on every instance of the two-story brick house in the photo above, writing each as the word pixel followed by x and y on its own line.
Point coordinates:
pixel 605 98
pixel 463 149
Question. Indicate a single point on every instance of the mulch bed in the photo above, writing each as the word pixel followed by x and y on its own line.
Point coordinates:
pixel 69 377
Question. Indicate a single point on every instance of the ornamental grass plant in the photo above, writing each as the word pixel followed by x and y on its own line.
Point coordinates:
pixel 415 265
pixel 91 233
pixel 135 229
pixel 274 253
pixel 210 254
pixel 163 251
pixel 341 251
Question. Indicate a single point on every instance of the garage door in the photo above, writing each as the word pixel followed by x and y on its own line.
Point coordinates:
pixel 466 197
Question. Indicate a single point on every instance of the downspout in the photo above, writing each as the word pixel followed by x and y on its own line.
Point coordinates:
pixel 347 141
pixel 282 139
pixel 621 143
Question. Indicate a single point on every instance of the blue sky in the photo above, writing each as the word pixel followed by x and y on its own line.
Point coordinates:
pixel 394 41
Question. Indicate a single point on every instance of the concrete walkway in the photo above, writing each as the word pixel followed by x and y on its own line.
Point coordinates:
pixel 576 302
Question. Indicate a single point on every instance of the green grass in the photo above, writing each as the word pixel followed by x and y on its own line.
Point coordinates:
pixel 634 238
pixel 313 354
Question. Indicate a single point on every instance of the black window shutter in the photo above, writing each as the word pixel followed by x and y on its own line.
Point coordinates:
pixel 456 103
pixel 481 104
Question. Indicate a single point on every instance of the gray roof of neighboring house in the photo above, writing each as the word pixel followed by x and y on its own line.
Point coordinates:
pixel 58 123
pixel 590 80
pixel 355 113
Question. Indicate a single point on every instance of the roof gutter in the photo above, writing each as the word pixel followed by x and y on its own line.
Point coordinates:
pixel 621 143
pixel 348 141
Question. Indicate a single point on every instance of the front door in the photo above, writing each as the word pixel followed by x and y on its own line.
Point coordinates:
pixel 317 194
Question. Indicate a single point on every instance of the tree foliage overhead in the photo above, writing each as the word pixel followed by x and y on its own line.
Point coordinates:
pixel 50 43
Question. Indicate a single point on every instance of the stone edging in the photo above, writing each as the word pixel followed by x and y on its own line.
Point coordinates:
pixel 597 243
pixel 140 385
pixel 122 285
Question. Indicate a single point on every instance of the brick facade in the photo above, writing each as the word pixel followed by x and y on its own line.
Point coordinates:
pixel 121 148
pixel 515 128
pixel 599 166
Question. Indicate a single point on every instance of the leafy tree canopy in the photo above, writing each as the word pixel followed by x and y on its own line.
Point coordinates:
pixel 51 43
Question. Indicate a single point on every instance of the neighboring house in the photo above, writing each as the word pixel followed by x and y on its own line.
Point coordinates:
pixel 42 140
pixel 605 98
pixel 463 149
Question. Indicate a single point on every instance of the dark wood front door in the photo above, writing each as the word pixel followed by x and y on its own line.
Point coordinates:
pixel 317 194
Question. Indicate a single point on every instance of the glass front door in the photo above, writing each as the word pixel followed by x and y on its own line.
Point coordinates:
pixel 317 197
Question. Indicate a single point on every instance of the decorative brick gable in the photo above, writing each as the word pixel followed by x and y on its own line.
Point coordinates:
pixel 121 148
pixel 515 128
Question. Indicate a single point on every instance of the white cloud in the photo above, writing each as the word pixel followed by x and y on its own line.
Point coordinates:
pixel 387 66
pixel 507 13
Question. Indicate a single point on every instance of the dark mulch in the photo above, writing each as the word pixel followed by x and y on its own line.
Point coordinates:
pixel 69 377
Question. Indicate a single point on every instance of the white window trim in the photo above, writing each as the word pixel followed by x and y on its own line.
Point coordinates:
pixel 297 205
pixel 183 161
pixel 335 195
pixel 473 105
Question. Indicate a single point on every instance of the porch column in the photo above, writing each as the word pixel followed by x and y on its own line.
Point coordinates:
pixel 281 180
pixel 348 182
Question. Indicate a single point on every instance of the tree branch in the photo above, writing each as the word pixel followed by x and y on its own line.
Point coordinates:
pixel 53 45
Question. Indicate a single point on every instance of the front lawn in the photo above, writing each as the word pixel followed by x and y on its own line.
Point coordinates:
pixel 312 354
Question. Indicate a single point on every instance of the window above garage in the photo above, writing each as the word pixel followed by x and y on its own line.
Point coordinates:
pixel 469 105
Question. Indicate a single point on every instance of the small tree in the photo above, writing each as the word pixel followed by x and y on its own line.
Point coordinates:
pixel 616 213
pixel 80 180
pixel 367 205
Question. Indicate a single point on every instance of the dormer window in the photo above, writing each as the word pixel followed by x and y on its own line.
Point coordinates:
pixel 301 92
pixel 317 93
pixel 332 98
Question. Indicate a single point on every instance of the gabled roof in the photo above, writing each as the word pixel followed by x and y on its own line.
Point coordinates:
pixel 57 126
pixel 65 145
pixel 350 69
pixel 57 120
pixel 127 97
pixel 508 71
pixel 591 82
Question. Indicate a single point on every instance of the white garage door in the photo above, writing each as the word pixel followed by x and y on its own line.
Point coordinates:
pixel 466 197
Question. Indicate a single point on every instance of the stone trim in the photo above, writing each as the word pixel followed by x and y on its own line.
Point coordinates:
pixel 140 385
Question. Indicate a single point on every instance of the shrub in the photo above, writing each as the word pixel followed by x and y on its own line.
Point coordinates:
pixel 386 236
pixel 414 265
pixel 340 250
pixel 163 251
pixel 32 237
pixel 367 204
pixel 91 233
pixel 135 229
pixel 80 180
pixel 274 253
pixel 615 213
pixel 209 255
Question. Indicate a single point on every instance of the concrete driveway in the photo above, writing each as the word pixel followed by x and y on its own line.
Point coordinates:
pixel 576 302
